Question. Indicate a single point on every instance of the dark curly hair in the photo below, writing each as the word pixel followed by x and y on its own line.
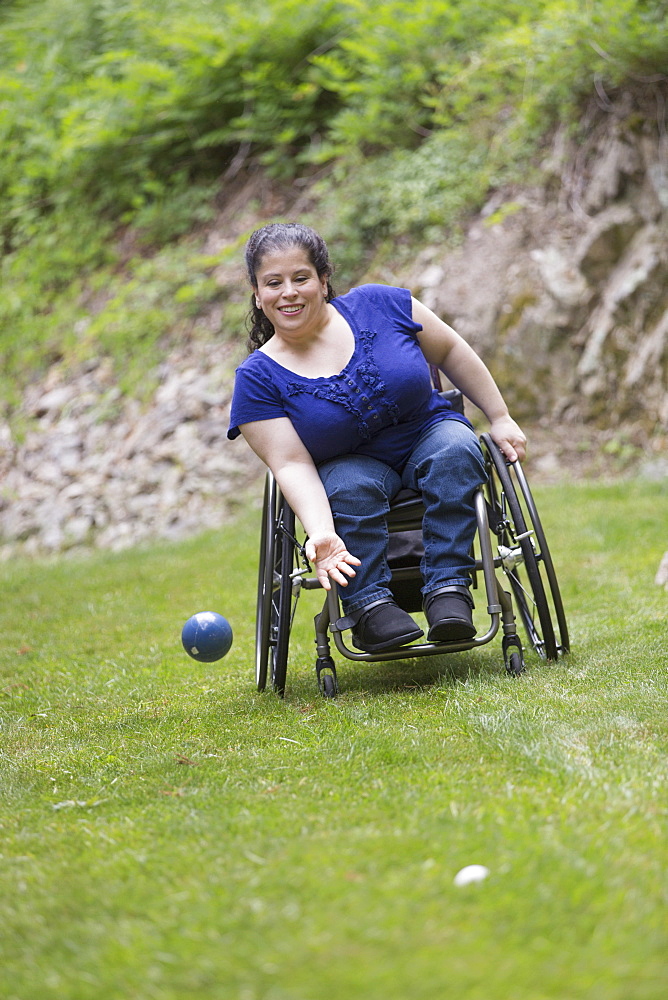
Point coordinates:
pixel 270 239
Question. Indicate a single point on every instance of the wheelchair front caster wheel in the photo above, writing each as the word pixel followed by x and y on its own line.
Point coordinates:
pixel 326 674
pixel 329 687
pixel 515 664
pixel 513 655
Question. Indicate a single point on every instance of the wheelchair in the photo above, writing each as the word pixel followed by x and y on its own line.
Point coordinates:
pixel 510 543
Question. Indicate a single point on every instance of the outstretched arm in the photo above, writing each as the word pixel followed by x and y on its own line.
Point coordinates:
pixel 443 347
pixel 279 446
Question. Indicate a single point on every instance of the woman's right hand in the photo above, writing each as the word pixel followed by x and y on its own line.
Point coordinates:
pixel 331 558
pixel 279 446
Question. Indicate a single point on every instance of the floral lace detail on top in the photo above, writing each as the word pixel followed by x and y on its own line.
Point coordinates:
pixel 336 389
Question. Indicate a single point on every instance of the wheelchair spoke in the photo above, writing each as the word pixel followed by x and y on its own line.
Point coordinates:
pixel 528 612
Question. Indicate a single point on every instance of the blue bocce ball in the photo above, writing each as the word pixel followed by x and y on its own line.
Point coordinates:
pixel 207 636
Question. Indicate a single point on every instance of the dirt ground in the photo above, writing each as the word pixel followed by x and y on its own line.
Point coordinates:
pixel 584 453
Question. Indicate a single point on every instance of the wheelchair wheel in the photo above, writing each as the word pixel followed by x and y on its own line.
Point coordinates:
pixel 274 600
pixel 524 553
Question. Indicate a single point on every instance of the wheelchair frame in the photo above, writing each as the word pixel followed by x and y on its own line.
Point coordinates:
pixel 505 510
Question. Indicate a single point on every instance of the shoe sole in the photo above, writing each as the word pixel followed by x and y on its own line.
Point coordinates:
pixel 451 631
pixel 399 640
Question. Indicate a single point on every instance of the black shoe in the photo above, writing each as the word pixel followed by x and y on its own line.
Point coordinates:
pixel 449 613
pixel 383 625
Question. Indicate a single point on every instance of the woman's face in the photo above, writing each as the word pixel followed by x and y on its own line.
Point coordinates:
pixel 290 293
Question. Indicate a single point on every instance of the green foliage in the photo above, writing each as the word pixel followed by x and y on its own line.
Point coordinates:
pixel 390 70
pixel 118 106
pixel 127 319
pixel 121 107
pixel 129 114
pixel 400 193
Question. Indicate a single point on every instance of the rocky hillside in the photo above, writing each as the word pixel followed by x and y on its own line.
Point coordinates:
pixel 562 287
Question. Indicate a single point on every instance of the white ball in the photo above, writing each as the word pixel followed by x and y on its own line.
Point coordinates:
pixel 472 873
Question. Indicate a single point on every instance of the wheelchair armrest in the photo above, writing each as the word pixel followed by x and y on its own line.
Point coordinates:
pixel 455 397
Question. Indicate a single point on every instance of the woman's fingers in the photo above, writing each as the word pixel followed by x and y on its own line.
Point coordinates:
pixel 510 438
pixel 332 560
pixel 339 568
pixel 337 573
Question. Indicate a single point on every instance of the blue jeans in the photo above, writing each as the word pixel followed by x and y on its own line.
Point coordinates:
pixel 447 467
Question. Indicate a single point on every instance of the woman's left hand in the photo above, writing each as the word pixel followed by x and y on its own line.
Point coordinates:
pixel 510 438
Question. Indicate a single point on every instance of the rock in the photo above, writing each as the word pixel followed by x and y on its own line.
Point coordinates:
pixel 654 469
pixel 53 401
pixel 167 470
pixel 636 267
pixel 616 159
pixel 561 276
pixel 604 241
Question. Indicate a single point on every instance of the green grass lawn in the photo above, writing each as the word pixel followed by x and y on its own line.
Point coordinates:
pixel 167 832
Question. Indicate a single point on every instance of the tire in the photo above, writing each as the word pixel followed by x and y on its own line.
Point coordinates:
pixel 265 582
pixel 274 610
pixel 515 665
pixel 282 608
pixel 325 671
pixel 525 555
pixel 329 686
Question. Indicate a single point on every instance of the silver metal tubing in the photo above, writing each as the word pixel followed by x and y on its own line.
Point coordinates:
pixel 487 556
pixel 321 622
pixel 421 649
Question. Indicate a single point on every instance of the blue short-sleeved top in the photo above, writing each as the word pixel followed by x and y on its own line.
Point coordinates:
pixel 380 403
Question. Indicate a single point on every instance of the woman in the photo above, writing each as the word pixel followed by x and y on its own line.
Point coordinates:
pixel 336 398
